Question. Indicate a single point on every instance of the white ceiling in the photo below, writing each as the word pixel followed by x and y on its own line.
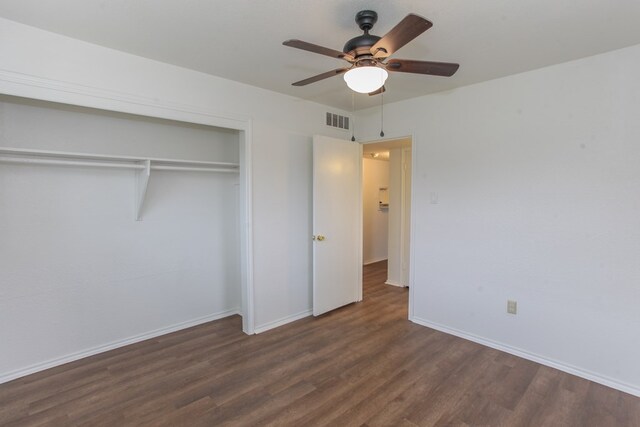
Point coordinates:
pixel 241 39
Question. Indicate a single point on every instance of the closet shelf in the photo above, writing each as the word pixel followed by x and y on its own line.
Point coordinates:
pixel 142 165
pixel 63 158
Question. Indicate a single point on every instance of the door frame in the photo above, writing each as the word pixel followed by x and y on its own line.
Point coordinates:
pixel 45 89
pixel 412 135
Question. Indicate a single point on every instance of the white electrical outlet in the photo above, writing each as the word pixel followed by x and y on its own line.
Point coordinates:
pixel 512 307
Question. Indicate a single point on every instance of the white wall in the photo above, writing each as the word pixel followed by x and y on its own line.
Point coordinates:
pixel 281 129
pixel 34 124
pixel 405 228
pixel 77 273
pixel 527 188
pixel 375 175
pixel 399 216
pixel 394 269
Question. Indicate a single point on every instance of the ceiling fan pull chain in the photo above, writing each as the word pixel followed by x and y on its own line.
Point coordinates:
pixel 353 116
pixel 381 115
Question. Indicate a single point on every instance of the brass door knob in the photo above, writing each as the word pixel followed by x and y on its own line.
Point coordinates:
pixel 320 237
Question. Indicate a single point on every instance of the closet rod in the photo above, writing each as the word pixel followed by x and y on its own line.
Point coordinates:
pixel 69 163
pixel 58 162
pixel 110 158
pixel 191 169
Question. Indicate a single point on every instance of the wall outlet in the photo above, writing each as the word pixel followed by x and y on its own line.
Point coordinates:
pixel 512 307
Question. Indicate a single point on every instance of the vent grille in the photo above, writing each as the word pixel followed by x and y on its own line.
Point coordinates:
pixel 337 121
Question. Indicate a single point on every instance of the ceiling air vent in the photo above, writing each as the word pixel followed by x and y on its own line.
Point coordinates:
pixel 337 121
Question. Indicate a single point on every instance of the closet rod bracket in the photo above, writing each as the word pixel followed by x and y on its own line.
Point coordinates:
pixel 142 181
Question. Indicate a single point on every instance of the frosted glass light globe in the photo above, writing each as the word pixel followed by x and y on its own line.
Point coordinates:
pixel 365 79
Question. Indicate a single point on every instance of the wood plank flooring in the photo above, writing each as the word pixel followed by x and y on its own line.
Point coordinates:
pixel 362 365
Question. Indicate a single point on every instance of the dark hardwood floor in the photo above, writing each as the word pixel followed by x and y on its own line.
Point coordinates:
pixel 364 364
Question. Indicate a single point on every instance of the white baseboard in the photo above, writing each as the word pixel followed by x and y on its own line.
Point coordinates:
pixel 565 367
pixel 283 321
pixel 8 376
pixel 373 261
pixel 394 284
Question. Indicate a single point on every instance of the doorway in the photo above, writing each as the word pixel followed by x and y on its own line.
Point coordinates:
pixel 338 231
pixel 386 209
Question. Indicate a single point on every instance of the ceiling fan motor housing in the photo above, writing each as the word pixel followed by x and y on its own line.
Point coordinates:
pixel 361 45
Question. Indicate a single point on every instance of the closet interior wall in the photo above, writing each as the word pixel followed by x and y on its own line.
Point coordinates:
pixel 78 274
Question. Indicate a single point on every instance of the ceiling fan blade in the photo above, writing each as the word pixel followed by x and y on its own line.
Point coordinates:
pixel 406 30
pixel 378 92
pixel 445 69
pixel 322 76
pixel 310 47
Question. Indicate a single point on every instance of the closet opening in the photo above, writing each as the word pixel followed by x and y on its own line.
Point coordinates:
pixel 116 228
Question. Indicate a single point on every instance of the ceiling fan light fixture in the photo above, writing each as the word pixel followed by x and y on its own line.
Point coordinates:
pixel 365 79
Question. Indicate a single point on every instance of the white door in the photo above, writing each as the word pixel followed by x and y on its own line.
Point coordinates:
pixel 337 223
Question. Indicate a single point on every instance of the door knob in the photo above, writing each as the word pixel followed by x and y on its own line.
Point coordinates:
pixel 320 237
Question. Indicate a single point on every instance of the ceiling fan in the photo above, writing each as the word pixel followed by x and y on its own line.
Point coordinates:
pixel 368 55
